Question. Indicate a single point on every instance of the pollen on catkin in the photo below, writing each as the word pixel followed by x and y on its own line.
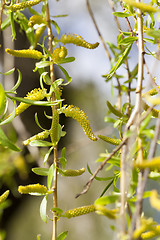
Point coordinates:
pixel 81 118
pixel 25 53
pixel 32 188
pixel 54 127
pixel 59 54
pixel 4 196
pixel 22 5
pixel 110 140
pixel 79 211
pixel 78 41
pixel 36 19
pixel 36 95
pixel 39 136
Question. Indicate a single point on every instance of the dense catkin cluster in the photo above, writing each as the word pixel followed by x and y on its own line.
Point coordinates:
pixel 22 5
pixel 150 234
pixel 72 172
pixel 32 188
pixel 36 95
pixel 110 140
pixel 79 211
pixel 54 127
pixel 77 40
pixel 4 196
pixel 25 53
pixel 39 136
pixel 59 54
pixel 153 164
pixel 77 114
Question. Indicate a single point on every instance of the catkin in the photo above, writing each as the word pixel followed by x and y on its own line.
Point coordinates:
pixel 153 164
pixel 72 172
pixel 152 233
pixel 36 19
pixel 22 5
pixel 110 140
pixel 25 53
pixel 39 136
pixel 59 54
pixel 77 40
pixel 79 211
pixel 54 127
pixel 154 200
pixel 32 188
pixel 36 95
pixel 80 117
pixel 4 196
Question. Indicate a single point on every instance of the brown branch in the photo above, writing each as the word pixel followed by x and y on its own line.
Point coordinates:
pixel 1 12
pixel 97 29
pixel 88 184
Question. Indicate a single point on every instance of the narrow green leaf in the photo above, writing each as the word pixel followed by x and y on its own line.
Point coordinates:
pixel 11 116
pixel 107 187
pixel 46 157
pixel 56 26
pixel 11 15
pixel 8 72
pixel 153 33
pixel 5 142
pixel 50 175
pixel 68 78
pixel 43 64
pixel 40 171
pixel 18 81
pixel 41 143
pixel 62 235
pixel 37 121
pixel 128 40
pixel 67 60
pixel 43 209
pixel 6 22
pixel 121 14
pixel 2 99
pixel 114 110
pixel 119 62
pixel 106 200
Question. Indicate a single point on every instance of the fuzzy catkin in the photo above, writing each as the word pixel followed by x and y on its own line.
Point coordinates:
pixel 25 53
pixel 36 95
pixel 32 188
pixel 59 54
pixel 152 233
pixel 80 117
pixel 39 136
pixel 54 127
pixel 78 41
pixel 22 5
pixel 4 196
pixel 110 140
pixel 36 19
pixel 79 211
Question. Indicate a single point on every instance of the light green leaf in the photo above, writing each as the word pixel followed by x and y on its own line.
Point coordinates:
pixel 106 200
pixel 153 33
pixel 67 60
pixel 18 81
pixel 43 64
pixel 40 171
pixel 121 14
pixel 2 99
pixel 47 155
pixel 43 209
pixel 62 235
pixel 5 142
pixel 50 175
pixel 8 72
pixel 128 40
pixel 68 78
pixel 11 15
pixel 40 143
pixel 11 116
pixel 119 62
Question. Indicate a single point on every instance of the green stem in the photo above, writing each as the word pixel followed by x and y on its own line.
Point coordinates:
pixel 55 160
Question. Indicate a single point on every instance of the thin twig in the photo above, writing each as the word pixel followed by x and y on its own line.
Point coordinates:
pixel 1 12
pixel 145 178
pixel 88 184
pixel 98 31
pixel 55 160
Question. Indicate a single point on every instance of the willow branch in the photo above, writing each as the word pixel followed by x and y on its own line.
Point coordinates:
pixel 55 160
pixel 97 29
pixel 1 12
pixel 88 184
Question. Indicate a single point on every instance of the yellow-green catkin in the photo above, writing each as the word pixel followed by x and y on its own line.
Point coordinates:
pixel 154 200
pixel 142 6
pixel 150 234
pixel 77 40
pixel 72 172
pixel 154 111
pixel 36 95
pixel 36 19
pixel 25 53
pixel 80 117
pixel 153 164
pixel 79 211
pixel 59 54
pixel 4 196
pixel 23 5
pixel 110 140
pixel 54 127
pixel 102 210
pixel 151 92
pixel 39 136
pixel 32 188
